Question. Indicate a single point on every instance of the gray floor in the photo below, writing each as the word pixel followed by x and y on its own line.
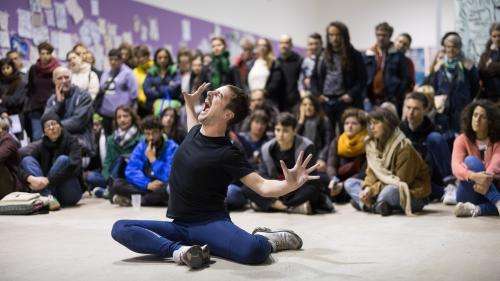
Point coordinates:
pixel 75 244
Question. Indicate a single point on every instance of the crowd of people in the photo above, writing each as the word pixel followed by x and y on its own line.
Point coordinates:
pixel 382 143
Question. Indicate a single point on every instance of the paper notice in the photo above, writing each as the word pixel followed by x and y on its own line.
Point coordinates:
pixel 154 33
pixel 46 4
pixel 61 16
pixel 94 7
pixel 40 34
pixel 85 33
pixel 33 54
pixel 112 28
pixel 24 23
pixel 36 19
pixel 65 44
pixel 49 16
pixel 144 33
pixel 75 10
pixel 186 30
pixel 217 31
pixel 100 58
pixel 127 37
pixel 4 39
pixel 136 23
pixel 101 23
pixel 4 21
pixel 35 6
pixel 54 37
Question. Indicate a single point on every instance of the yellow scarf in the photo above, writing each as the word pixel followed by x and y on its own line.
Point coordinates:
pixel 351 147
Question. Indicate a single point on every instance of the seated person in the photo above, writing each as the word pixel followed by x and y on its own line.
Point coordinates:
pixel 347 158
pixel 258 100
pixel 283 150
pixel 475 161
pixel 396 177
pixel 148 168
pixel 74 108
pixel 171 126
pixel 52 166
pixel 119 145
pixel 431 145
pixel 9 160
pixel 314 125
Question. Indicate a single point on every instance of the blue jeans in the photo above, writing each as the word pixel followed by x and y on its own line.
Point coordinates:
pixel 35 118
pixel 439 160
pixel 68 193
pixel 95 179
pixel 235 198
pixel 389 194
pixel 466 192
pixel 162 238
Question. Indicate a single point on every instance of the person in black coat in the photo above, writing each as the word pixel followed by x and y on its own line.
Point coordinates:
pixel 289 63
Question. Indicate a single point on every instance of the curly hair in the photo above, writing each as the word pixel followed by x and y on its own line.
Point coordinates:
pixel 492 114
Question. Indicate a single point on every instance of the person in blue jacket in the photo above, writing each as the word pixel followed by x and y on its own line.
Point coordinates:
pixel 148 169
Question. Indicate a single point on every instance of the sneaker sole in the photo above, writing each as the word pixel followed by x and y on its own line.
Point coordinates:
pixel 268 230
pixel 193 258
pixel 205 252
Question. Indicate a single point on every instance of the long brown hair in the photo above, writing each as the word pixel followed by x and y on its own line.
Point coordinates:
pixel 136 120
pixel 345 46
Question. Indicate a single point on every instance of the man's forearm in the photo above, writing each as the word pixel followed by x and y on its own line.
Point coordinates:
pixel 275 188
pixel 191 116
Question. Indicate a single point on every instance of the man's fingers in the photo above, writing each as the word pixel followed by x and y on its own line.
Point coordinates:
pixel 310 170
pixel 304 165
pixel 299 159
pixel 284 168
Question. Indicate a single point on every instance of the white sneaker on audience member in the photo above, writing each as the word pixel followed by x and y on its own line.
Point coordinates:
pixel 122 201
pixel 466 209
pixel 280 240
pixel 51 202
pixel 450 194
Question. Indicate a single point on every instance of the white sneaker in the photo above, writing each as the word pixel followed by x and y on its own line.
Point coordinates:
pixel 450 194
pixel 466 210
pixel 280 240
pixel 51 202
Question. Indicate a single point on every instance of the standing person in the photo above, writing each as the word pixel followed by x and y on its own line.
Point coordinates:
pixel 196 203
pixel 144 64
pixel 387 70
pixel 475 161
pixel 219 70
pixel 339 78
pixel 17 58
pixel 118 87
pixel 489 66
pixel 290 64
pixel 82 74
pixel 264 73
pixel 314 50
pixel 456 82
pixel 39 89
pixel 127 54
pixel 397 178
pixel 403 44
pixel 184 59
pixel 12 90
pixel 243 62
pixel 87 57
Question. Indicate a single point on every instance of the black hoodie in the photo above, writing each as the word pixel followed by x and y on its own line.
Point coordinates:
pixel 418 136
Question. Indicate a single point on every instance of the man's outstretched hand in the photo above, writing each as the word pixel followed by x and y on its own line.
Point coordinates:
pixel 194 97
pixel 299 174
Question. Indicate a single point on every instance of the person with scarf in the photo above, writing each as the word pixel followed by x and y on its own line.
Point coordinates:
pixel 489 66
pixel 148 169
pixel 119 145
pixel 456 83
pixel 161 87
pixel 346 157
pixel 387 70
pixel 243 62
pixel 82 75
pixel 12 91
pixel 39 88
pixel 475 161
pixel 397 178
pixel 53 165
pixel 144 64
pixel 314 125
pixel 219 70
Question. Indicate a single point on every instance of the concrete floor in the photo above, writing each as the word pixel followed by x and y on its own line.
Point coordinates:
pixel 75 244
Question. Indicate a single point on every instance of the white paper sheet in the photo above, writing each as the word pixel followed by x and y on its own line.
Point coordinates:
pixel 94 7
pixel 15 124
pixel 186 30
pixel 4 21
pixel 217 31
pixel 100 58
pixel 64 45
pixel 102 25
pixel 24 23
pixel 61 16
pixel 36 19
pixel 154 32
pixel 85 34
pixel 136 21
pixel 35 6
pixel 127 37
pixel 75 10
pixel 40 34
pixel 33 54
pixel 112 28
pixel 144 33
pixel 46 4
pixel 49 17
pixel 4 39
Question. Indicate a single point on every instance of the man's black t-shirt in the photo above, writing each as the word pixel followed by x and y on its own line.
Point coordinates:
pixel 203 167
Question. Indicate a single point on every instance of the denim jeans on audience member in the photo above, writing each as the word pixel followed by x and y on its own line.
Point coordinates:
pixel 162 238
pixel 438 159
pixel 68 193
pixel 389 194
pixel 35 119
pixel 95 179
pixel 121 187
pixel 235 199
pixel 466 193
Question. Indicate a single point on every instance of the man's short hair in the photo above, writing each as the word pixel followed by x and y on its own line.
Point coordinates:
pixel 316 36
pixel 115 53
pixel 142 51
pixel 384 26
pixel 407 35
pixel 286 119
pixel 238 105
pixel 45 46
pixel 12 52
pixel 419 97
pixel 259 116
pixel 151 123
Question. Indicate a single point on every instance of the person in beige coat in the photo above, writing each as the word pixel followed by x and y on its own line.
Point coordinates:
pixel 397 178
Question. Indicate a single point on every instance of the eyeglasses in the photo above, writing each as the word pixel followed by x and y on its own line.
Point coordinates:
pixel 50 125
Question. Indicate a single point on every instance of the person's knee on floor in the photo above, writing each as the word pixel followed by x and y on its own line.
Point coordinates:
pixel 254 252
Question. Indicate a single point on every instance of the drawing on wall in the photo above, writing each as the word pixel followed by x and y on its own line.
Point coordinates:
pixel 473 20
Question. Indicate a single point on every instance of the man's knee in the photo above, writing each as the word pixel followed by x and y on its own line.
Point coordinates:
pixel 28 161
pixel 62 160
pixel 474 164
pixel 350 185
pixel 118 230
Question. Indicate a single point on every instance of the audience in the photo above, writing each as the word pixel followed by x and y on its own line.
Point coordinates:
pixel 144 64
pixel 219 70
pixel 243 62
pixel 127 54
pixel 489 66
pixel 12 90
pixel 82 75
pixel 9 160
pixel 17 58
pixel 403 44
pixel 289 62
pixel 314 50
pixel 476 161
pixel 171 125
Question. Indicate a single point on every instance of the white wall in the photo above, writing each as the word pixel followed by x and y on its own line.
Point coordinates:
pixel 299 18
